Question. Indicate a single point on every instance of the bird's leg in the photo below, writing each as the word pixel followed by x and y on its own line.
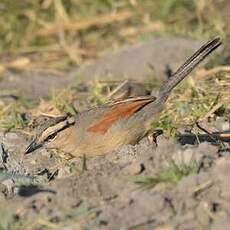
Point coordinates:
pixel 152 135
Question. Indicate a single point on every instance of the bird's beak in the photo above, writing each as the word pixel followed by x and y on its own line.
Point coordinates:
pixel 32 146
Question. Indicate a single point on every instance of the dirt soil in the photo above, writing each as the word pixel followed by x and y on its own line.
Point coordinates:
pixel 104 193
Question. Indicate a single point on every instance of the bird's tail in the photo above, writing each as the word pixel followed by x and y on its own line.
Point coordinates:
pixel 187 67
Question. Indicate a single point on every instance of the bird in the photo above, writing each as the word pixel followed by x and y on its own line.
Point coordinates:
pixel 102 129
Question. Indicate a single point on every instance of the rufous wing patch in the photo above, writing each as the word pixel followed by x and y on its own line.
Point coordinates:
pixel 117 111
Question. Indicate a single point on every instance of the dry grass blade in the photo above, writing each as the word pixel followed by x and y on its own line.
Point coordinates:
pixel 19 63
pixel 60 11
pixel 209 113
pixel 134 31
pixel 117 88
pixel 210 72
pixel 84 24
pixel 202 187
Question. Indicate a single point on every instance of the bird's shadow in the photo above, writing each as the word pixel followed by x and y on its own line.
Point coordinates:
pixel 30 190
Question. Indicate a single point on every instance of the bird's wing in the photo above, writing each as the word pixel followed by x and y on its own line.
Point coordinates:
pixel 117 110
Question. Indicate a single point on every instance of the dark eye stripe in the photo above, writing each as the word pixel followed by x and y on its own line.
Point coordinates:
pixel 52 131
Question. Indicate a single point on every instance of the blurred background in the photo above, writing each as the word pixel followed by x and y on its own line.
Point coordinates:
pixel 58 34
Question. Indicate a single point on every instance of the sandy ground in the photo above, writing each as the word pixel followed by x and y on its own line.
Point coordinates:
pixel 104 193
